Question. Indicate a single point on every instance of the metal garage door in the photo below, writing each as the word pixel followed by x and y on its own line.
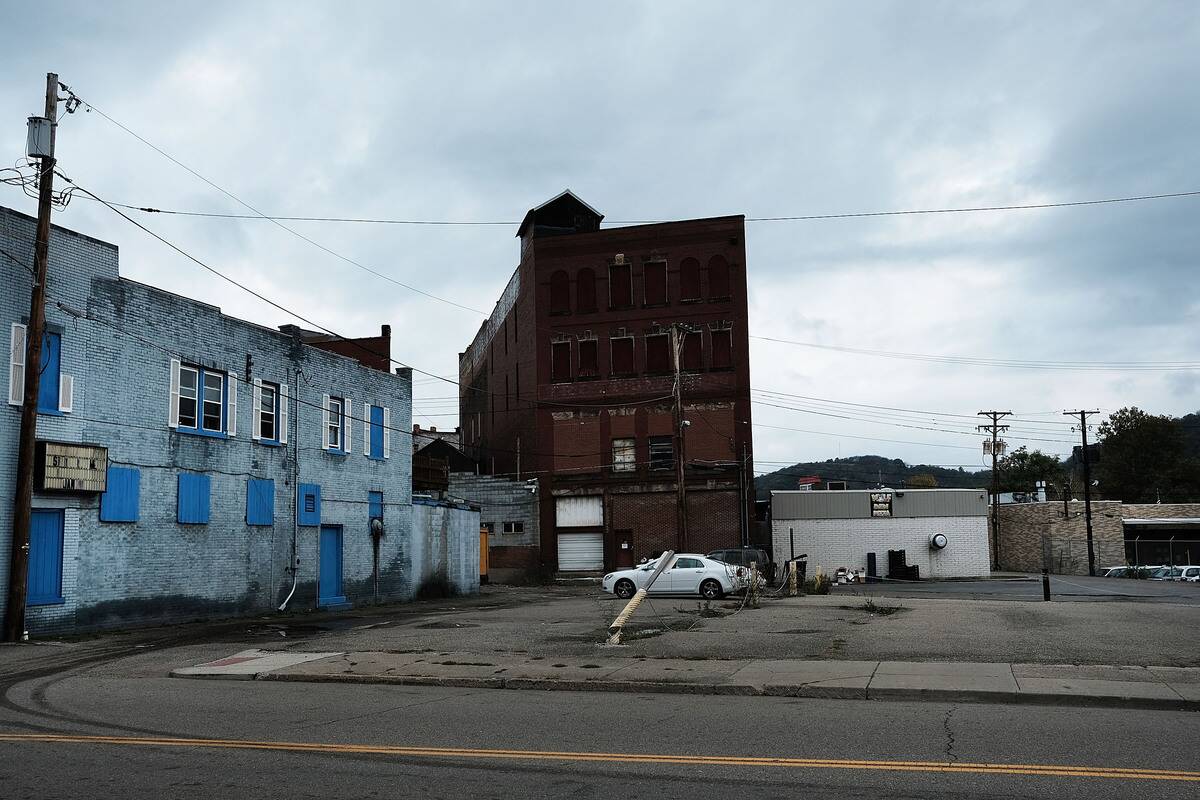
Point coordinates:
pixel 578 552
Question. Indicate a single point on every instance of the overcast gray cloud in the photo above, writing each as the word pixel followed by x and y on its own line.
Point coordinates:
pixel 476 111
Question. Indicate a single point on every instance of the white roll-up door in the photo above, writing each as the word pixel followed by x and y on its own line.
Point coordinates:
pixel 580 552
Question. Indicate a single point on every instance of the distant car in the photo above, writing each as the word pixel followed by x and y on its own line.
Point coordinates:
pixel 1165 574
pixel 1117 572
pixel 744 556
pixel 1189 573
pixel 687 574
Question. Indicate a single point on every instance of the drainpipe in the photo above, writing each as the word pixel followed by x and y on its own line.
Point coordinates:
pixel 295 567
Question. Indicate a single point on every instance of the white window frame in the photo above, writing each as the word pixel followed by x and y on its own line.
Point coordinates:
pixel 16 364
pixel 220 403
pixel 335 420
pixel 261 415
pixel 195 398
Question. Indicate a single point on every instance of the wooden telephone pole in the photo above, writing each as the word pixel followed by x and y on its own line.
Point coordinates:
pixel 678 331
pixel 995 428
pixel 18 571
pixel 1087 484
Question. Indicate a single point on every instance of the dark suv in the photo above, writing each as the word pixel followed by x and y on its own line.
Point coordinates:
pixel 742 556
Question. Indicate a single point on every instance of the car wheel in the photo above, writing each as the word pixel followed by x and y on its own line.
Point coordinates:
pixel 624 589
pixel 711 590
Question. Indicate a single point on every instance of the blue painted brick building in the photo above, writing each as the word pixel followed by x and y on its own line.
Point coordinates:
pixel 240 462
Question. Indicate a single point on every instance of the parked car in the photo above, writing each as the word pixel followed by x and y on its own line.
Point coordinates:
pixel 688 574
pixel 1189 573
pixel 1114 572
pixel 1165 574
pixel 743 556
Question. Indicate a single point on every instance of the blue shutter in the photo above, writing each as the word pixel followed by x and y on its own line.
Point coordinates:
pixel 119 503
pixel 376 432
pixel 260 502
pixel 193 498
pixel 48 384
pixel 44 584
pixel 309 503
pixel 375 503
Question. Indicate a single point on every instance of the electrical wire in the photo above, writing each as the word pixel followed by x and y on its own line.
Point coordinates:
pixel 1084 366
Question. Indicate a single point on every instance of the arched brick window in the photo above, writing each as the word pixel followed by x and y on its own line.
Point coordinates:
pixel 689 279
pixel 560 293
pixel 718 278
pixel 585 290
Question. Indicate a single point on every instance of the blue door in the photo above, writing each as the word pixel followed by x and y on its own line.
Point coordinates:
pixel 45 558
pixel 329 581
pixel 48 385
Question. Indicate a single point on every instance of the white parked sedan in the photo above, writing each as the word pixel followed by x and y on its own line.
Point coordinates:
pixel 688 573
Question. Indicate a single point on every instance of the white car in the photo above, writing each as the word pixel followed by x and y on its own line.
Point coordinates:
pixel 688 573
pixel 1189 573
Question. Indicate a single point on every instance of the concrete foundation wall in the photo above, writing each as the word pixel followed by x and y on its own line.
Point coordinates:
pixel 445 546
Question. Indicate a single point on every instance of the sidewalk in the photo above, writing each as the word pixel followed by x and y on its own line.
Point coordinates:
pixel 1172 688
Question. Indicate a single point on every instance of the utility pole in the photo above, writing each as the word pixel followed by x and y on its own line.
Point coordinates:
pixel 1087 484
pixel 18 571
pixel 995 428
pixel 678 331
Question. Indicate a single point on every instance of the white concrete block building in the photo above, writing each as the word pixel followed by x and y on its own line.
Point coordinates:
pixel 944 532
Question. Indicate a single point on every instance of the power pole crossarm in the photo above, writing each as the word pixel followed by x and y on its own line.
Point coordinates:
pixel 18 568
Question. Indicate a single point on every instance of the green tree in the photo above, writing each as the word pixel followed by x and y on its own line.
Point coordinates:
pixel 1021 469
pixel 1144 458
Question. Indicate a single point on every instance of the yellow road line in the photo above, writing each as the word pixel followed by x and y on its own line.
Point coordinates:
pixel 1055 770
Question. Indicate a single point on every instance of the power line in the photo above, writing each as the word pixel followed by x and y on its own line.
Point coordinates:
pixel 451 223
pixel 261 215
pixel 1084 366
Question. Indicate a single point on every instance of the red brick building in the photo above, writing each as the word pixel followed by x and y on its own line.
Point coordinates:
pixel 570 382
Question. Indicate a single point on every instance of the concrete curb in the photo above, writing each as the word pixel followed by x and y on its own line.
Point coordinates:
pixel 737 689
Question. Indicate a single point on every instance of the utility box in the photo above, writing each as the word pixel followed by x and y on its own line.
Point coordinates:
pixel 37 139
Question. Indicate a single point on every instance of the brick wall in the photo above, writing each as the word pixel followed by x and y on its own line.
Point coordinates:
pixel 651 517
pixel 1027 528
pixel 833 543
pixel 501 500
pixel 118 338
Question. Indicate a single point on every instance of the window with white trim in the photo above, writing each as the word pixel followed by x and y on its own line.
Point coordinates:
pixel 267 418
pixel 336 411
pixel 514 527
pixel 203 400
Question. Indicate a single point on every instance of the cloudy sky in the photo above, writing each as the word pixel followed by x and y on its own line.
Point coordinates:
pixel 665 110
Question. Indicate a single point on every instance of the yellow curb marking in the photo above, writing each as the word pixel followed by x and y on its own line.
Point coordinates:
pixel 1056 770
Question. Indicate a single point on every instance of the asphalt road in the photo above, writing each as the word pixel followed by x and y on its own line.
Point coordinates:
pixel 113 728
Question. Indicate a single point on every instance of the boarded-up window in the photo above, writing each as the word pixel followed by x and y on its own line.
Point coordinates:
pixel 722 349
pixel 579 512
pixel 718 278
pixel 662 452
pixel 658 353
pixel 620 286
pixel 655 275
pixel 560 293
pixel 692 357
pixel 624 455
pixel 585 291
pixel 588 368
pixel 560 358
pixel 689 279
pixel 622 355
